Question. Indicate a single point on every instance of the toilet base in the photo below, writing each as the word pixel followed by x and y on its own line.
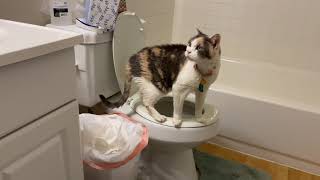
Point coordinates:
pixel 164 165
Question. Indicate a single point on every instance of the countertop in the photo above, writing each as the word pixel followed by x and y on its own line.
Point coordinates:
pixel 21 41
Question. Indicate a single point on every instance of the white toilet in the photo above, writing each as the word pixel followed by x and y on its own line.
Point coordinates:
pixel 169 154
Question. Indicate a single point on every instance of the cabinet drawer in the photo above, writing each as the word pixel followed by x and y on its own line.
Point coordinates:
pixel 35 87
pixel 45 149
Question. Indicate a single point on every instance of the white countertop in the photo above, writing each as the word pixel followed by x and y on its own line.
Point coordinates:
pixel 21 41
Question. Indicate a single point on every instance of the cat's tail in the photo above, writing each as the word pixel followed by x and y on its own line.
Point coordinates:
pixel 122 100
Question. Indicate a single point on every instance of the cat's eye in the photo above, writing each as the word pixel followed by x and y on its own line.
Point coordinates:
pixel 198 47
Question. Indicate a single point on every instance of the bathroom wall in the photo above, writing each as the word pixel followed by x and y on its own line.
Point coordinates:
pixel 281 32
pixel 23 11
pixel 159 17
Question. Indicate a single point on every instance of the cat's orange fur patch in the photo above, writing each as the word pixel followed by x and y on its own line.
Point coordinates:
pixel 144 64
pixel 201 41
pixel 156 51
pixel 128 70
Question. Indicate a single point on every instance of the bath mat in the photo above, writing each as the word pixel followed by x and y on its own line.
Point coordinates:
pixel 215 168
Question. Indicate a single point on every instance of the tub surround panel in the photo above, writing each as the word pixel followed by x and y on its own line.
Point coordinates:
pixel 279 32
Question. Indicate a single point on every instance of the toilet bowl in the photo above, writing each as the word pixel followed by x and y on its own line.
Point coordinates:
pixel 101 70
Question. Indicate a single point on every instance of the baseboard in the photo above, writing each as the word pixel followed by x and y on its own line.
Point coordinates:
pixel 266 154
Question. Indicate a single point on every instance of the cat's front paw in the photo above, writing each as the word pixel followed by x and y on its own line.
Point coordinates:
pixel 160 118
pixel 176 122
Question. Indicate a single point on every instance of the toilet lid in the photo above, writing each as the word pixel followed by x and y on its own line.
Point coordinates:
pixel 211 114
pixel 128 39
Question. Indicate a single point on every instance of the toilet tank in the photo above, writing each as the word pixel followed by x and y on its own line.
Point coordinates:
pixel 94 64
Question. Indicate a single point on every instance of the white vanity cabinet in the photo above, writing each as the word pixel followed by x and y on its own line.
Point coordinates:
pixel 39 127
pixel 47 149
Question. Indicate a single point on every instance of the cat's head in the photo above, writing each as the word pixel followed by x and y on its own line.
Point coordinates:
pixel 201 47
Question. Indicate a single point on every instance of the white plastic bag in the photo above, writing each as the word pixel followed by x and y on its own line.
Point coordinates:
pixel 109 141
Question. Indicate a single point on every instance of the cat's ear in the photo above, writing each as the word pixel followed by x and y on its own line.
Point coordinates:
pixel 215 39
pixel 199 32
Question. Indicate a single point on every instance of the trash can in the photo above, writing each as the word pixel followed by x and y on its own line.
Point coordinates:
pixel 111 146
pixel 128 171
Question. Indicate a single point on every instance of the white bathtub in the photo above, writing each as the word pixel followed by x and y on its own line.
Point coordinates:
pixel 270 112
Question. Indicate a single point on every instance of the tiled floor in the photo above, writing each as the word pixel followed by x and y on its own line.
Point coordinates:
pixel 278 172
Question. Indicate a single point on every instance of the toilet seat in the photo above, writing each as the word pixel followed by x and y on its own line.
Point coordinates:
pixel 186 136
pixel 210 113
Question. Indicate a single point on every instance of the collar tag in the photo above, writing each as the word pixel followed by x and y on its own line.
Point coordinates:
pixel 201 85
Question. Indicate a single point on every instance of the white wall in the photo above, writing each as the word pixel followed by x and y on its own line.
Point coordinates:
pixel 23 10
pixel 282 32
pixel 159 17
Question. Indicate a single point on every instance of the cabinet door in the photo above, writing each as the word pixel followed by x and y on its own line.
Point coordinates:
pixel 47 149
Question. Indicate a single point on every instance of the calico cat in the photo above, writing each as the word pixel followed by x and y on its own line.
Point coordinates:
pixel 175 68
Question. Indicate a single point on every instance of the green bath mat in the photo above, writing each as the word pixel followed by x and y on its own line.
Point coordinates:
pixel 215 168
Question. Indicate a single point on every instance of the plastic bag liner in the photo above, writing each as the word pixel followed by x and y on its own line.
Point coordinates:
pixel 110 141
